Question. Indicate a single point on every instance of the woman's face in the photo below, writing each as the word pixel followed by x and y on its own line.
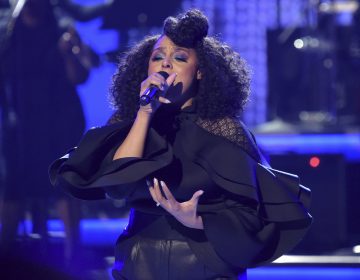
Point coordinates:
pixel 168 57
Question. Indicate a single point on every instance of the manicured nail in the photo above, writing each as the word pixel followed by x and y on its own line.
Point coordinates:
pixel 148 183
pixel 167 101
pixel 155 181
pixel 162 183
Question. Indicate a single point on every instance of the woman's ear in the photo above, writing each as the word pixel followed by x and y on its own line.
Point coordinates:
pixel 198 75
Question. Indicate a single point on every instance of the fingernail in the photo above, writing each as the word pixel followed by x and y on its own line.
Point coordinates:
pixel 155 181
pixel 162 183
pixel 148 183
pixel 167 101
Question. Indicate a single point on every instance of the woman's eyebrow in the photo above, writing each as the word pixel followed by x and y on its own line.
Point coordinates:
pixel 175 49
pixel 158 49
pixel 182 49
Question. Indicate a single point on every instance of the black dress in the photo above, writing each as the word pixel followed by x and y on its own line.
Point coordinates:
pixel 41 112
pixel 252 214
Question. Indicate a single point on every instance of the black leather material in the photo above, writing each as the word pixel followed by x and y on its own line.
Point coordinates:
pixel 160 259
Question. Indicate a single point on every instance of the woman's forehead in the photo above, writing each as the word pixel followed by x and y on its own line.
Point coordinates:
pixel 165 42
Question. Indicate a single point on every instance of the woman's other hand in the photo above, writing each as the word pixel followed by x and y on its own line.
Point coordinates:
pixel 163 84
pixel 185 212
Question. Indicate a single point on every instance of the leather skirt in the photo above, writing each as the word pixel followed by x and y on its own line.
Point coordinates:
pixel 143 258
pixel 155 247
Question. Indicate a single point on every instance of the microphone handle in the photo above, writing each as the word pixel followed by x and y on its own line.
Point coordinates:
pixel 148 95
pixel 151 91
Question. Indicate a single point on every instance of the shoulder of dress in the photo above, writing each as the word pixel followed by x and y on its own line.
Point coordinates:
pixel 230 128
pixel 114 118
pixel 234 130
pixel 117 118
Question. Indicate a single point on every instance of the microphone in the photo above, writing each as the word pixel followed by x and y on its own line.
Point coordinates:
pixel 151 91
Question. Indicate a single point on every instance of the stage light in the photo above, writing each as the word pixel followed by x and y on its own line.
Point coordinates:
pixel 314 162
pixel 299 43
pixel 356 249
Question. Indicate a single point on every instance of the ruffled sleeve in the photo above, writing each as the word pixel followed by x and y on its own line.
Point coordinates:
pixel 265 213
pixel 88 171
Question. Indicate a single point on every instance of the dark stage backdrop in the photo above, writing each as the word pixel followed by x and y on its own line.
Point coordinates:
pixel 334 199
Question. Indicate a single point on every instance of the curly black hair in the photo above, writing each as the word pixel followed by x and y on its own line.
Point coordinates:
pixel 223 88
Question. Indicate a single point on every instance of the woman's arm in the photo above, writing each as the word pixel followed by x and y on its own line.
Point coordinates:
pixel 133 145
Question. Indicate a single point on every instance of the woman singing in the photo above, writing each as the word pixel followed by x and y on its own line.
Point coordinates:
pixel 205 204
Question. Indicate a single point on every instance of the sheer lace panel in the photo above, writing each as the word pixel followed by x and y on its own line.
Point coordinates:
pixel 233 130
pixel 115 118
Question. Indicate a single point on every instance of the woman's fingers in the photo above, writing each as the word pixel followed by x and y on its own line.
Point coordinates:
pixel 153 188
pixel 167 192
pixel 165 82
pixel 185 212
pixel 164 100
pixel 171 79
pixel 172 202
pixel 157 80
pixel 196 196
pixel 168 202
pixel 158 195
pixel 153 80
pixel 152 193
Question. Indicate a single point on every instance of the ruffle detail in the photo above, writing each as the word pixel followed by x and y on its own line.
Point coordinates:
pixel 88 172
pixel 283 203
pixel 238 235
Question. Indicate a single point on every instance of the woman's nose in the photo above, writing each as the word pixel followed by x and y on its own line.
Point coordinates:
pixel 166 63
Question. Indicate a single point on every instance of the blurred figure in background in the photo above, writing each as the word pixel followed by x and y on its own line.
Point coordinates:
pixel 42 61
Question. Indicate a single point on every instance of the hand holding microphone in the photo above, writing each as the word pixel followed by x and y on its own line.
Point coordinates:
pixel 154 87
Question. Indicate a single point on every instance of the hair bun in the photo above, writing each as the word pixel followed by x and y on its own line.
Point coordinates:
pixel 187 29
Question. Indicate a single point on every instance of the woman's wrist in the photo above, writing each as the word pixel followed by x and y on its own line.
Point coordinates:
pixel 144 113
pixel 198 224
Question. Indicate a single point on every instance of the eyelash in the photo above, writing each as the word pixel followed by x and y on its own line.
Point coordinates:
pixel 181 59
pixel 157 58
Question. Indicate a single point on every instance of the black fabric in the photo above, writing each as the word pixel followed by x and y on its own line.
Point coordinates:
pixel 91 171
pixel 252 214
